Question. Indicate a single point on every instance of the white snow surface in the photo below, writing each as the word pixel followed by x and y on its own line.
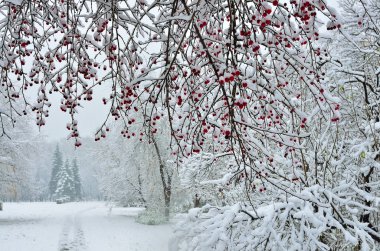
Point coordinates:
pixel 15 2
pixel 89 226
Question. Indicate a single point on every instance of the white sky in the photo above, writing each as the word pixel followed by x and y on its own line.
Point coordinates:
pixel 90 117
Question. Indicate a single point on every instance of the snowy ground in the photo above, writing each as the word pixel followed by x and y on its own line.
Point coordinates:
pixel 89 226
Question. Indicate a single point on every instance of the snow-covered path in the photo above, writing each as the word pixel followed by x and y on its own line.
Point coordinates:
pixel 87 226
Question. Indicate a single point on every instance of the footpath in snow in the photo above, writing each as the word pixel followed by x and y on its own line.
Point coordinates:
pixel 87 226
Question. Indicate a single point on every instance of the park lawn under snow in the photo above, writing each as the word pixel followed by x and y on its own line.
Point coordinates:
pixel 92 226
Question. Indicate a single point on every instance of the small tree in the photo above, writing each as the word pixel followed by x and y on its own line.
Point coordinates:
pixel 57 166
pixel 65 183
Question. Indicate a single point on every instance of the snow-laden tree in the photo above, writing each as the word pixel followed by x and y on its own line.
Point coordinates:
pixel 121 177
pixel 16 154
pixel 137 171
pixel 330 198
pixel 57 166
pixel 206 65
pixel 65 183
pixel 88 164
pixel 356 53
pixel 200 176
pixel 65 178
pixel 231 72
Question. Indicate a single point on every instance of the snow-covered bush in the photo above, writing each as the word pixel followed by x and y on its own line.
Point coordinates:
pixel 153 215
pixel 314 219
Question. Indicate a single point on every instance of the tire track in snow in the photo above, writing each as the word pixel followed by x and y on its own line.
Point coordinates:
pixel 72 236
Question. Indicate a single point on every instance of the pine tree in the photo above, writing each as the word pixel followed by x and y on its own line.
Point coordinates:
pixel 57 166
pixel 65 184
pixel 76 180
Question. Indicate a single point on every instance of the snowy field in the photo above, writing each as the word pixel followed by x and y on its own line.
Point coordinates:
pixel 91 226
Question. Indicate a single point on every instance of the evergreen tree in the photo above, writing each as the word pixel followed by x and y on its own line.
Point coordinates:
pixel 57 166
pixel 65 184
pixel 76 180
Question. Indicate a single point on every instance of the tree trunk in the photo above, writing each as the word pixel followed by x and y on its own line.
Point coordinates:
pixel 166 182
pixel 197 201
pixel 365 217
pixel 167 203
pixel 1 206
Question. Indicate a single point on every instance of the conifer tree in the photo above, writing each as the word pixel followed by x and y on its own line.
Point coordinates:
pixel 57 166
pixel 65 184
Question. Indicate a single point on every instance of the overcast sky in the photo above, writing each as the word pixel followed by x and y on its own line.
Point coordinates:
pixel 90 117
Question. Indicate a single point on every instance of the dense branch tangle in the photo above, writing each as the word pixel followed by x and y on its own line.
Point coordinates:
pixel 234 73
pixel 231 76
